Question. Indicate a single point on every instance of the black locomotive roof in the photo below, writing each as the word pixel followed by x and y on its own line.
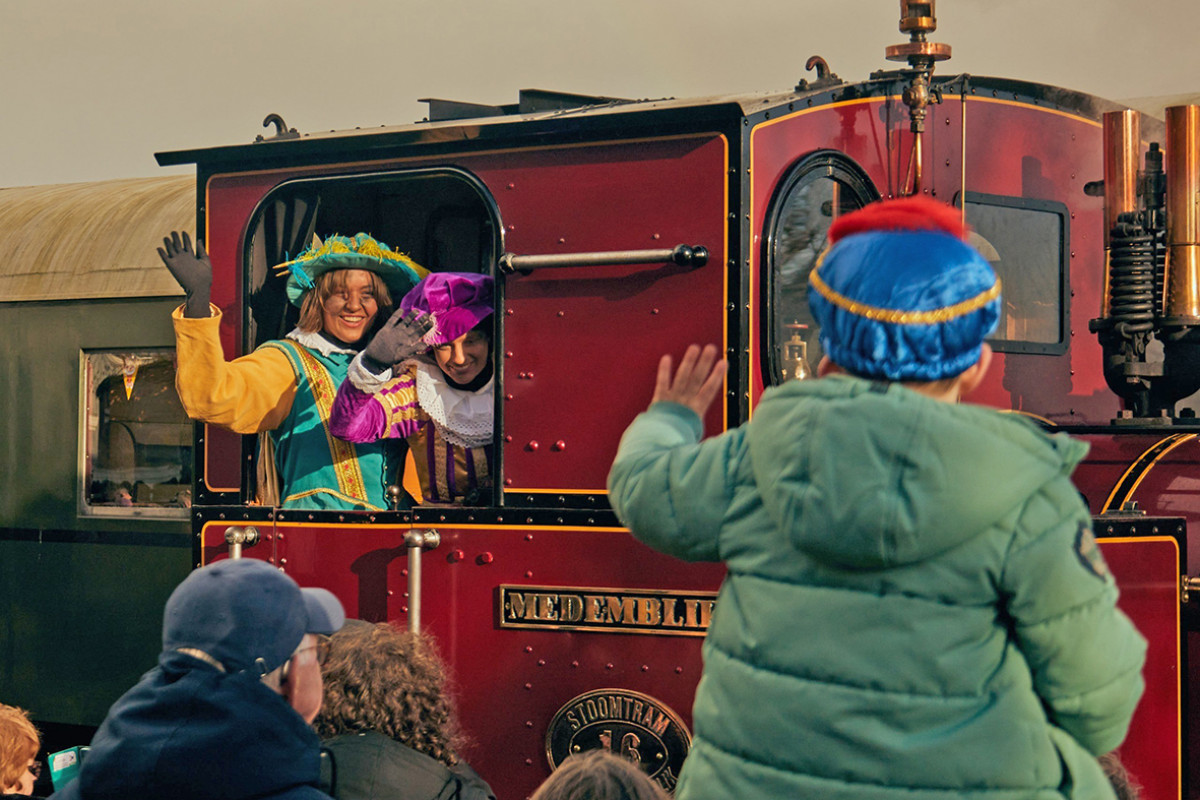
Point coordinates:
pixel 560 117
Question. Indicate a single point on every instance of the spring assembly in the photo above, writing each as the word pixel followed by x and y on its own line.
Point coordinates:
pixel 1131 278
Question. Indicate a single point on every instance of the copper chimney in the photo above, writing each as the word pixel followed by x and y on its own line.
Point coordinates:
pixel 1122 150
pixel 1183 213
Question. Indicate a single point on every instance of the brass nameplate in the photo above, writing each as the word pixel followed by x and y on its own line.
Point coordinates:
pixel 635 726
pixel 571 608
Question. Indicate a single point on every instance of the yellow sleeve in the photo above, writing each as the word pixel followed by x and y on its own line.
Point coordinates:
pixel 247 395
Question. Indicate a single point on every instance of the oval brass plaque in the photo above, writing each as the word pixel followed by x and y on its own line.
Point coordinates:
pixel 630 724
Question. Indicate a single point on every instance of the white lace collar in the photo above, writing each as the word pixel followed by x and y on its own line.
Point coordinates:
pixel 314 340
pixel 464 418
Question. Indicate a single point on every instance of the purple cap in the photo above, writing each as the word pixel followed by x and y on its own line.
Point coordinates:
pixel 246 614
pixel 457 301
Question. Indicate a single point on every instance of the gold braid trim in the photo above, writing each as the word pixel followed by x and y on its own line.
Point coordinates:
pixel 345 457
pixel 895 317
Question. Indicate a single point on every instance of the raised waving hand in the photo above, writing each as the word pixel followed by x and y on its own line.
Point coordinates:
pixel 191 269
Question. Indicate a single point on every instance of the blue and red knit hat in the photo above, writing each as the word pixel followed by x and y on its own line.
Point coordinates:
pixel 900 295
pixel 457 301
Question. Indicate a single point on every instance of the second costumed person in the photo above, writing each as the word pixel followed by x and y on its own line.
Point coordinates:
pixel 427 377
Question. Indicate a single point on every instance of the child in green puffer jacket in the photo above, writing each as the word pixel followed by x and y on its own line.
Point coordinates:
pixel 915 606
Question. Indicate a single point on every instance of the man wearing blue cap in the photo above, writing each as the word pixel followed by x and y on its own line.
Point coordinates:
pixel 226 712
pixel 915 607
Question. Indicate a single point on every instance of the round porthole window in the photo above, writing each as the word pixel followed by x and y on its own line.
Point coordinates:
pixel 816 191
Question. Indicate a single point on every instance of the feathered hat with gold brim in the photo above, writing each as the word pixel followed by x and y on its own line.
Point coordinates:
pixel 900 295
pixel 360 251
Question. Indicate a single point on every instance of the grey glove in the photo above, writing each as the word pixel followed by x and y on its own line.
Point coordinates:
pixel 193 270
pixel 399 338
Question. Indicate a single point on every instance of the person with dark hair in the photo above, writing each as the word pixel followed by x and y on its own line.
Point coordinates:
pixel 426 377
pixel 388 721
pixel 19 743
pixel 915 606
pixel 284 389
pixel 598 775
pixel 226 712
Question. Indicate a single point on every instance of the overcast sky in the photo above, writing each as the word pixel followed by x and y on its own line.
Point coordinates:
pixel 90 89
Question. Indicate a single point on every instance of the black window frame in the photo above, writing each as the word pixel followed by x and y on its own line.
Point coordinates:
pixel 1064 271
pixel 299 184
pixel 831 164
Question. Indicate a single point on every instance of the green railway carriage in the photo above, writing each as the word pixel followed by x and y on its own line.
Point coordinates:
pixel 94 479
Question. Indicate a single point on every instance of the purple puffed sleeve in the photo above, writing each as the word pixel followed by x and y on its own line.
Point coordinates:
pixel 356 415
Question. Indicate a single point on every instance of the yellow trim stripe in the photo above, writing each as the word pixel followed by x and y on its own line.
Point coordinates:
pixel 1171 442
pixel 930 317
pixel 313 492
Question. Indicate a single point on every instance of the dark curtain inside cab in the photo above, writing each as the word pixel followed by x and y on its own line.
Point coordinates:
pixel 284 229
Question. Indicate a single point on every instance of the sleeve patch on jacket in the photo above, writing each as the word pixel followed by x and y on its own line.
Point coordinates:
pixel 1089 552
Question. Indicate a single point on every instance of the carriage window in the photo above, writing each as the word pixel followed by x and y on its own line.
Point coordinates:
pixel 818 190
pixel 1026 243
pixel 136 440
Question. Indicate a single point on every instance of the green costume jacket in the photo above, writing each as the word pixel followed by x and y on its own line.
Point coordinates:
pixel 914 608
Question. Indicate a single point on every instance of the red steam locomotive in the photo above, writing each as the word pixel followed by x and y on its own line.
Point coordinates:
pixel 619 230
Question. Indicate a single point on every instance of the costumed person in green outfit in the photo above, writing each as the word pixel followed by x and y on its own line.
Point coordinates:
pixel 915 606
pixel 343 286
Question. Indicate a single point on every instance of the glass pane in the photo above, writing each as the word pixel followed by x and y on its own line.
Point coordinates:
pixel 800 234
pixel 1024 246
pixel 138 457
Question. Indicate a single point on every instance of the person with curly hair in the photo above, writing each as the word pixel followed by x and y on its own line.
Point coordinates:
pixel 388 720
pixel 19 742
pixel 598 775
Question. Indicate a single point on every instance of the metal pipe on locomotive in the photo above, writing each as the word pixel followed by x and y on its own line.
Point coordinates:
pixel 1152 265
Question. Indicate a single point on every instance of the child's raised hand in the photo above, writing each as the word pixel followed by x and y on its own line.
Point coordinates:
pixel 697 382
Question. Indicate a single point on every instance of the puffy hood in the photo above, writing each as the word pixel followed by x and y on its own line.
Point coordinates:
pixel 872 477
pixel 186 731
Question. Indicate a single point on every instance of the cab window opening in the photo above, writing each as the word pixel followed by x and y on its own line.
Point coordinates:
pixel 443 219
